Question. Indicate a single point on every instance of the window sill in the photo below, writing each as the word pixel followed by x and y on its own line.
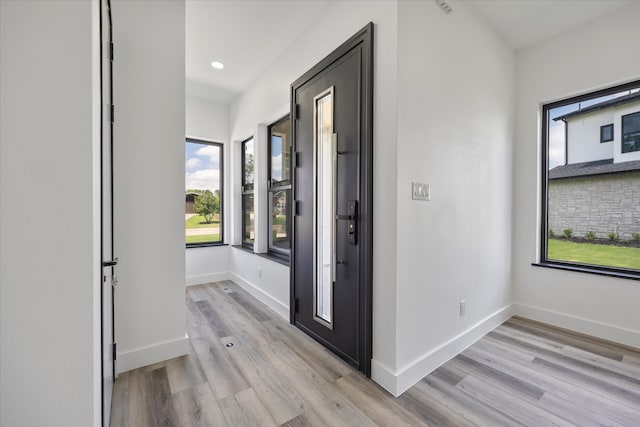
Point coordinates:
pixel 280 259
pixel 600 271
pixel 205 245
pixel 244 248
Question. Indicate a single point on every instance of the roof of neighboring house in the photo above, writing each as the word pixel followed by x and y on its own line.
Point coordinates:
pixel 602 105
pixel 599 167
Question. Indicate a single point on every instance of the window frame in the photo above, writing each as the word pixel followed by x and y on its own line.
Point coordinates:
pixel 247 192
pixel 220 146
pixel 602 129
pixel 622 133
pixel 543 228
pixel 271 189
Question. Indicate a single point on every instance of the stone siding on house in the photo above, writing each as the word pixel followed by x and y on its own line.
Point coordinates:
pixel 601 203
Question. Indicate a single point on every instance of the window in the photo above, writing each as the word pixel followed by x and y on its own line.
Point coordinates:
pixel 606 133
pixel 591 217
pixel 248 226
pixel 631 132
pixel 203 193
pixel 279 187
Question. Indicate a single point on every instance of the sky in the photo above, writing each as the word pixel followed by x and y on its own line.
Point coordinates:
pixel 202 167
pixel 276 158
pixel 556 129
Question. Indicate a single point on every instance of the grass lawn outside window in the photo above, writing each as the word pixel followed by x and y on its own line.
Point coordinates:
pixel 594 254
pixel 197 230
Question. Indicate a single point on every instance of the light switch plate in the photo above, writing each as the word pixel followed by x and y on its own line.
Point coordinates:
pixel 420 191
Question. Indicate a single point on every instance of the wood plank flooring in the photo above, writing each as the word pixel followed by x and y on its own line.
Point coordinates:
pixel 248 367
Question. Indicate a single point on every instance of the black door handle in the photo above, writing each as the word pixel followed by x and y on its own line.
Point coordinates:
pixel 351 216
pixel 111 263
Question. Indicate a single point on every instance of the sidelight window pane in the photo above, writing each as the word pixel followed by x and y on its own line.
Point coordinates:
pixel 248 234
pixel 280 153
pixel 280 220
pixel 247 164
pixel 279 188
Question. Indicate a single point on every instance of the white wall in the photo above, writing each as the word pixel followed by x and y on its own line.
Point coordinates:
pixel 49 217
pixel 209 121
pixel 149 95
pixel 455 132
pixel 584 137
pixel 263 102
pixel 560 68
pixel 263 278
pixel 206 119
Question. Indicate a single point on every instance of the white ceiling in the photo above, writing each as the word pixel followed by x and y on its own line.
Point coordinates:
pixel 248 35
pixel 522 23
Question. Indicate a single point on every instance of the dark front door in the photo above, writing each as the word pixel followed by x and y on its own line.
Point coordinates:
pixel 331 253
pixel 109 262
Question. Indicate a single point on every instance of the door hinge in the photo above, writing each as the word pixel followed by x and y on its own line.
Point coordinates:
pixel 111 51
pixel 113 113
pixel 296 112
pixel 296 159
pixel 114 351
pixel 296 207
pixel 295 305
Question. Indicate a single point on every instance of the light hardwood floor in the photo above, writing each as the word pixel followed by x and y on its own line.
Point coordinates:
pixel 248 367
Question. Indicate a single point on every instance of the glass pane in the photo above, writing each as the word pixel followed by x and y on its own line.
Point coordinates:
pixel 631 133
pixel 280 220
pixel 247 158
pixel 606 133
pixel 280 153
pixel 248 233
pixel 592 209
pixel 325 206
pixel 202 192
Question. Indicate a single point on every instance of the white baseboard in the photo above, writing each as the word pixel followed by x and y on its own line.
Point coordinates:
pixel 275 305
pixel 398 382
pixel 579 324
pixel 201 279
pixel 384 377
pixel 144 356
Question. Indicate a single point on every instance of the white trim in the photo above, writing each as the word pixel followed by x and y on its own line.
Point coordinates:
pixel 200 279
pixel 279 307
pixel 384 377
pixel 148 355
pixel 400 381
pixel 96 98
pixel 594 328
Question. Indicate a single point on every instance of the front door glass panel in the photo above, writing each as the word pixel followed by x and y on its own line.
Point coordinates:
pixel 325 207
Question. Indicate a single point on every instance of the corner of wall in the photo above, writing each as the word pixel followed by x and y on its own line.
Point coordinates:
pixel 400 381
pixel 143 356
pixel 280 308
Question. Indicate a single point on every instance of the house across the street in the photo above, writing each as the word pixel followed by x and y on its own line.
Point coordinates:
pixel 598 189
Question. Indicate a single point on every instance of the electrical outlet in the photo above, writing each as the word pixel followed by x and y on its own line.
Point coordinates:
pixel 463 307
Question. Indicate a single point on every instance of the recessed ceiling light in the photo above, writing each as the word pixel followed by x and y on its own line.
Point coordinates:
pixel 217 65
